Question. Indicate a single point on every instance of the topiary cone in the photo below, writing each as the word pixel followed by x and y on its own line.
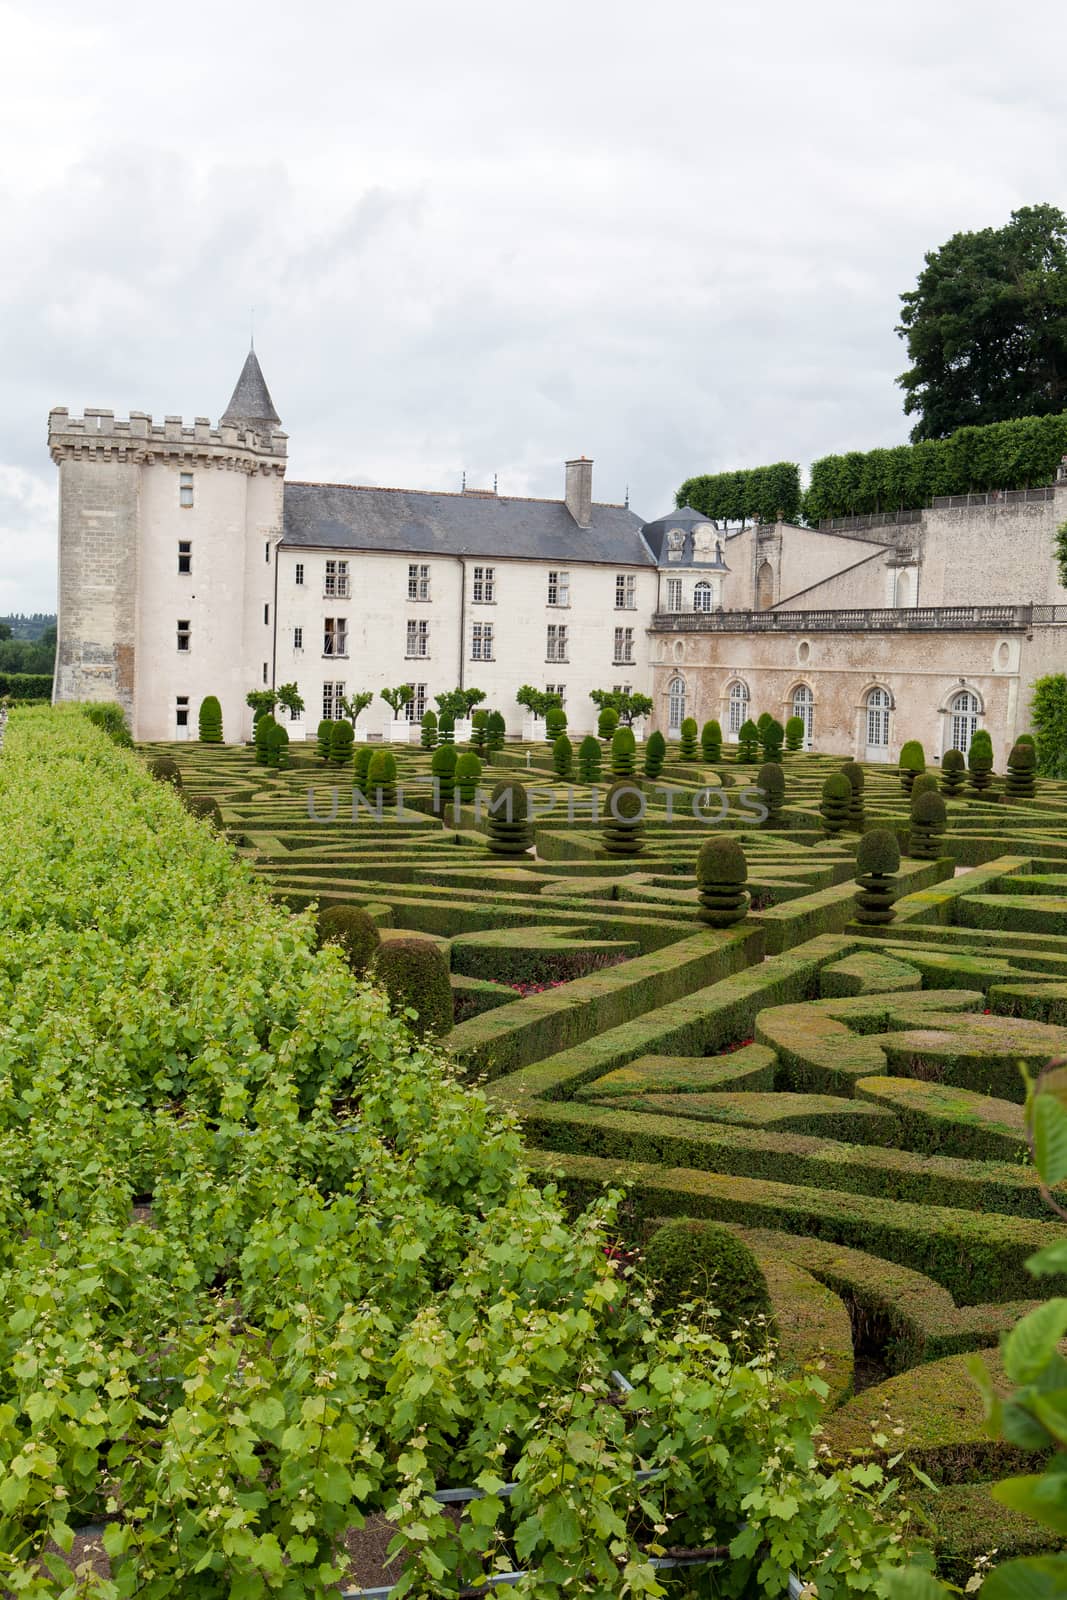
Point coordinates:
pixel 854 773
pixel 687 748
pixel 589 758
pixel 835 803
pixel 912 761
pixel 1022 766
pixel 624 820
pixel 381 779
pixel 980 761
pixel 711 741
pixel 877 859
pixel 623 753
pixel 722 873
pixel 953 772
pixel 655 754
pixel 510 832
pixel 770 780
pixel 929 817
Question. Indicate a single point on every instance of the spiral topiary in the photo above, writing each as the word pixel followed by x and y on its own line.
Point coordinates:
pixel 165 770
pixel 510 833
pixel 795 730
pixel 624 820
pixel 688 749
pixel 912 761
pixel 342 737
pixel 980 761
pixel 443 768
pixel 607 721
pixel 354 929
pixel 925 783
pixel 770 780
pixel 877 859
pixel 361 765
pixel 929 818
pixel 210 720
pixel 381 779
pixel 468 772
pixel 589 759
pixel 555 723
pixel 722 873
pixel 711 741
pixel 835 804
pixel 259 734
pixel 1022 771
pixel 623 753
pixel 655 754
pixel 772 737
pixel 854 773
pixel 690 1260
pixel 322 738
pixel 414 974
pixel 277 743
pixel 428 735
pixel 480 731
pixel 748 741
pixel 562 756
pixel 953 772
pixel 446 728
pixel 497 731
pixel 204 807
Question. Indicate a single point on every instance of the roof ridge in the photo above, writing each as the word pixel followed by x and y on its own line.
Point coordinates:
pixel 451 494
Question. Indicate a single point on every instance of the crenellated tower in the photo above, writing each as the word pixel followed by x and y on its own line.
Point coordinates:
pixel 167 549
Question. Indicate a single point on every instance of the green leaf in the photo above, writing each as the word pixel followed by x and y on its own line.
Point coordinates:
pixel 1051 1410
pixel 1036 1578
pixel 1053 1258
pixel 911 1583
pixel 1032 1342
pixel 1040 1496
pixel 1049 1123
pixel 268 1413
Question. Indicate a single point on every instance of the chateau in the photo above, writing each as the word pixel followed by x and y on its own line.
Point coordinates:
pixel 189 566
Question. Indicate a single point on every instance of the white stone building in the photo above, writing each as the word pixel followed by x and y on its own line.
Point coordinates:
pixel 189 566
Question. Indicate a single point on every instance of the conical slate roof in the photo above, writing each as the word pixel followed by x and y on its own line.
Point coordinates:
pixel 250 404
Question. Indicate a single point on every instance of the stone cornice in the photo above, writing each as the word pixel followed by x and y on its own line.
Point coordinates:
pixel 99 437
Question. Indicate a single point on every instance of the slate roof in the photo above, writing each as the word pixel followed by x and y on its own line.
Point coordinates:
pixel 251 401
pixel 421 522
pixel 686 519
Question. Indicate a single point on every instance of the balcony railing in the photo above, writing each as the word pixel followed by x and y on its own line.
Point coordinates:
pixel 941 502
pixel 898 619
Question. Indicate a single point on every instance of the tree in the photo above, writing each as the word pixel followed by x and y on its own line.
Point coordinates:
pixel 986 326
pixel 5 630
pixel 262 702
pixel 353 704
pixel 290 697
pixel 396 699
pixel 630 707
pixel 538 702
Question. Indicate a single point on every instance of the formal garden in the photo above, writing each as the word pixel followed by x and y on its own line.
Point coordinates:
pixel 679 1230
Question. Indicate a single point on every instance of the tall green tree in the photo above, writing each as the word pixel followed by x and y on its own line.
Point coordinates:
pixel 986 326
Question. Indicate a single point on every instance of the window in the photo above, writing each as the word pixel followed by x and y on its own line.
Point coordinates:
pixel 624 646
pixel 298 638
pixel 266 613
pixel 675 705
pixel 674 594
pixel 738 707
pixel 415 708
pixel 559 588
pixel 621 688
pixel 332 696
pixel 804 708
pixel 295 716
pixel 181 711
pixel 878 704
pixel 964 711
pixel 185 556
pixel 484 585
pixel 625 591
pixel 336 580
pixel 266 552
pixel 184 633
pixel 185 490
pixel 418 640
pixel 556 646
pixel 335 636
pixel 482 641
pixel 702 596
pixel 557 688
pixel 418 581
pixel 299 574
pixel 264 672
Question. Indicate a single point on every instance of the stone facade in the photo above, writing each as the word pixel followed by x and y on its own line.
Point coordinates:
pixel 189 567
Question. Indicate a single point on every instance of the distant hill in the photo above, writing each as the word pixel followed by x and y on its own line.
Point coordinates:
pixel 31 626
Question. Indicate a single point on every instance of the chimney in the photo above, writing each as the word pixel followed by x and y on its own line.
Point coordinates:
pixel 579 495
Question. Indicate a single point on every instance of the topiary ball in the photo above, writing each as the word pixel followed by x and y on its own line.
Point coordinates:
pixel 204 807
pixel 165 770
pixel 924 783
pixel 354 929
pixel 414 973
pixel 700 1261
pixel 721 860
pixel 878 853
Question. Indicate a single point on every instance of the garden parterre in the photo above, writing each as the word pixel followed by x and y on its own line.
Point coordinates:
pixel 267 1269
pixel 847 1098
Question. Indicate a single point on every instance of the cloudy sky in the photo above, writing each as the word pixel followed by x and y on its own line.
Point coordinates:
pixel 489 236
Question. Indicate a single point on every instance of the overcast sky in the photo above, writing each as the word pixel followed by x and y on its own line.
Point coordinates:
pixel 670 236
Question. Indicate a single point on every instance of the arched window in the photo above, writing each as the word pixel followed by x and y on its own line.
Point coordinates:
pixel 702 596
pixel 964 709
pixel 765 587
pixel 878 708
pixel 675 705
pixel 738 706
pixel 903 589
pixel 804 708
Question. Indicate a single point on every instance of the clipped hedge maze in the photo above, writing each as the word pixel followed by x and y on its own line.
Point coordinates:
pixel 846 1097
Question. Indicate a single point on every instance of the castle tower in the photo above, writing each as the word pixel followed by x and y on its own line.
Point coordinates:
pixel 167 549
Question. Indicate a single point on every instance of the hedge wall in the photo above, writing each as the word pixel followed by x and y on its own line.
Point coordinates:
pixel 26 685
pixel 758 494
